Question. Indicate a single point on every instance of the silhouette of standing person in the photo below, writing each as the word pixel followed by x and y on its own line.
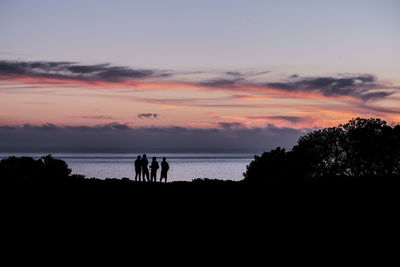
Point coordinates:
pixel 145 169
pixel 138 168
pixel 164 170
pixel 154 167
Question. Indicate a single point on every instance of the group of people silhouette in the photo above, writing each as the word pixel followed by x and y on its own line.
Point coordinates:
pixel 142 170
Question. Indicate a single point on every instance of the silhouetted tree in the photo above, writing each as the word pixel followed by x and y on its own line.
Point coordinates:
pixel 371 148
pixel 319 154
pixel 361 148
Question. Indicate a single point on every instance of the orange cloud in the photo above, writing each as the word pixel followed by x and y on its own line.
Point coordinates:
pixel 149 84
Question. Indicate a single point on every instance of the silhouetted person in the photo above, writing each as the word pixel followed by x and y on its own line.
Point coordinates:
pixel 164 170
pixel 145 169
pixel 154 167
pixel 138 168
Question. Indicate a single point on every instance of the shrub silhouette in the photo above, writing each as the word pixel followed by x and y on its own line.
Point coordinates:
pixel 269 164
pixel 361 148
pixel 55 167
pixel 27 169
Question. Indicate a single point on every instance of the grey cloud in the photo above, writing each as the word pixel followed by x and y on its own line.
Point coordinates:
pixel 230 125
pixel 120 126
pixel 356 86
pixel 82 69
pixel 114 126
pixel 233 78
pixel 293 119
pixel 49 127
pixel 148 115
pixel 123 138
pixel 233 73
pixel 375 95
pixel 73 70
pixel 219 83
pixel 254 74
pixel 95 117
pixel 8 128
pixel 45 127
pixel 246 74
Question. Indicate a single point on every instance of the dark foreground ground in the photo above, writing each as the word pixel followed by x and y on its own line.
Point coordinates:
pixel 201 193
pixel 202 219
pixel 202 200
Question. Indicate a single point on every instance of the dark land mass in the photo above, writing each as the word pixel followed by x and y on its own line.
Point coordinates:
pixel 271 214
pixel 202 194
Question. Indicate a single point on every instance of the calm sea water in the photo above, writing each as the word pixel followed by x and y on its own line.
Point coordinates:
pixel 183 166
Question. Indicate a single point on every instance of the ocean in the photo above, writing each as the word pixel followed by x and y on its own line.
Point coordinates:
pixel 183 166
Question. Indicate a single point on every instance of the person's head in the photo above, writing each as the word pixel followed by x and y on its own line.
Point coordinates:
pixel 144 155
pixel 138 157
pixel 164 159
pixel 154 158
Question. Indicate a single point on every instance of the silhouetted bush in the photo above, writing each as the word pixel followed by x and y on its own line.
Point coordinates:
pixel 270 164
pixel 359 149
pixel 26 169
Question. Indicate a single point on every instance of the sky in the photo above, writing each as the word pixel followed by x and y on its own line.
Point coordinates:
pixel 192 75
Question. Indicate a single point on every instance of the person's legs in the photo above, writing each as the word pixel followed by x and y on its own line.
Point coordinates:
pixel 163 176
pixel 137 177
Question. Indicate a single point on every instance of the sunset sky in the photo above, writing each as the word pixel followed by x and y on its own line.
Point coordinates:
pixel 200 71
